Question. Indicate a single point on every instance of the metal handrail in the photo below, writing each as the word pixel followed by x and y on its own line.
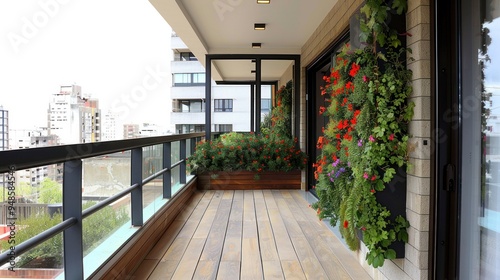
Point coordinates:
pixel 38 239
pixel 34 157
pixel 94 208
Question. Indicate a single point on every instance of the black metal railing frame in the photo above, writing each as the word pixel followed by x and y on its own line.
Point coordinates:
pixel 71 156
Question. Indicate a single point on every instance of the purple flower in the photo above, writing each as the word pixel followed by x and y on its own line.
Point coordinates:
pixel 360 142
pixel 365 175
pixel 372 139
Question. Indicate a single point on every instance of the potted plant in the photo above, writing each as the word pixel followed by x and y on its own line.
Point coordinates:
pixel 364 146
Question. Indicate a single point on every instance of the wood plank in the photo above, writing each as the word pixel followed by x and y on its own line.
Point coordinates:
pixel 164 270
pixel 206 269
pixel 211 255
pixel 189 207
pixel 311 267
pixel 292 270
pixel 145 269
pixel 272 270
pixel 189 261
pixel 251 265
pixel 165 241
pixel 287 216
pixel 309 261
pixel 232 242
pixel 177 249
pixel 286 252
pixel 228 270
pixel 260 206
pixel 329 249
pixel 232 249
pixel 208 217
pixel 249 219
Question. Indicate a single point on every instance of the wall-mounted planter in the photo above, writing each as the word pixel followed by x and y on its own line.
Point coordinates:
pixel 246 180
pixel 394 199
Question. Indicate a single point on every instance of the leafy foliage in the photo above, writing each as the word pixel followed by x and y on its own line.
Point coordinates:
pixel 279 122
pixel 246 151
pixel 366 136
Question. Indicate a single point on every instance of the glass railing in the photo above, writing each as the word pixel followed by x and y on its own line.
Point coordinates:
pixel 107 192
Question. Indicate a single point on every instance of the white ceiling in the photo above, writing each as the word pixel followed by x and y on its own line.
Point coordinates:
pixel 226 27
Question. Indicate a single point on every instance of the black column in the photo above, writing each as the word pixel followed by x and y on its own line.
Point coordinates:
pixel 208 97
pixel 258 89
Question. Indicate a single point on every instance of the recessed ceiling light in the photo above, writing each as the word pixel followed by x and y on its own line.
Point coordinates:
pixel 256 45
pixel 259 26
pixel 263 1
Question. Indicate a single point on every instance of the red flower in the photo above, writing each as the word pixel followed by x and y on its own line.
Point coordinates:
pixel 374 178
pixel 340 126
pixel 322 110
pixel 354 69
pixel 372 191
pixel 349 85
pixel 391 137
pixel 346 223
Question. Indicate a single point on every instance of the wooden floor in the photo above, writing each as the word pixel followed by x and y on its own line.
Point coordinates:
pixel 250 234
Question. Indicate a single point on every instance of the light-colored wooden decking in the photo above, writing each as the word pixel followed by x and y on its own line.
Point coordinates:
pixel 250 234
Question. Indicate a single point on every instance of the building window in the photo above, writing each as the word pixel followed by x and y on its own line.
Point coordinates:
pixel 223 127
pixel 188 106
pixel 188 79
pixel 187 56
pixel 223 105
pixel 265 105
pixel 189 128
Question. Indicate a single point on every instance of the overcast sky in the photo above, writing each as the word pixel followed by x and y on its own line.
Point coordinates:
pixel 117 51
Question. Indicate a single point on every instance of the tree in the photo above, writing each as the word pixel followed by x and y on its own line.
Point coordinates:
pixel 50 192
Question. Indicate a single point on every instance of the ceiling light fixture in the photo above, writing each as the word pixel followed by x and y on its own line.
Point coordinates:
pixel 256 45
pixel 259 26
pixel 263 1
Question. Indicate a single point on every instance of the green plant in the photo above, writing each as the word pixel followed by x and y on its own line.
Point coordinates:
pixel 95 229
pixel 366 138
pixel 279 122
pixel 246 151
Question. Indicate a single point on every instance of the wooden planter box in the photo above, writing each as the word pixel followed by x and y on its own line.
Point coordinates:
pixel 245 180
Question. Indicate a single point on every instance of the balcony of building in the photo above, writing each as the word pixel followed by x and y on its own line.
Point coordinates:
pixel 175 229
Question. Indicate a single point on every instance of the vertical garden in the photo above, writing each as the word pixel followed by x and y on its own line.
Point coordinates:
pixel 364 147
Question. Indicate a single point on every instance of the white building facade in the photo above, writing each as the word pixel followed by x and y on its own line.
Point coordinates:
pixel 231 104
pixel 74 117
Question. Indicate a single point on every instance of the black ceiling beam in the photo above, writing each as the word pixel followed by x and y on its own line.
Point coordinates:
pixel 271 83
pixel 254 56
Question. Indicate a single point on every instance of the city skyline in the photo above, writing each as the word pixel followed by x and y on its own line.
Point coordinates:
pixel 117 52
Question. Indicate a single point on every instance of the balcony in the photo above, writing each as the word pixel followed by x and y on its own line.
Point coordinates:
pixel 175 228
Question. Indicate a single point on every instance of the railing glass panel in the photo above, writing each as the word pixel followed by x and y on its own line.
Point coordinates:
pixel 104 232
